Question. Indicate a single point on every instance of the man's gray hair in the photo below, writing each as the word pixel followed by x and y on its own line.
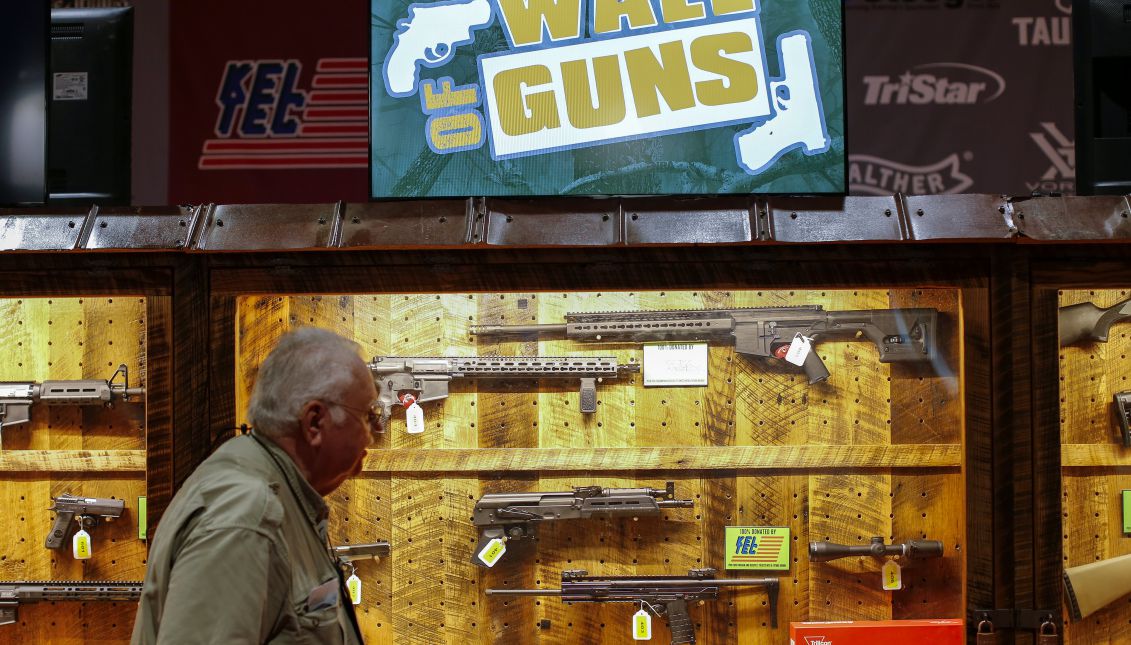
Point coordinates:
pixel 307 364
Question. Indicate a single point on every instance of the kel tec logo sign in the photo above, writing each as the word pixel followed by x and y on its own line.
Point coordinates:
pixel 757 547
pixel 267 119
pixel 605 71
pixel 935 84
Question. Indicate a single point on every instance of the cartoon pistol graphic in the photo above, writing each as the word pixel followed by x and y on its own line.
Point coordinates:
pixel 797 119
pixel 430 37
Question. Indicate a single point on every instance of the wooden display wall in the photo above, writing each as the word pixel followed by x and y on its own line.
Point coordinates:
pixel 88 451
pixel 1093 458
pixel 876 451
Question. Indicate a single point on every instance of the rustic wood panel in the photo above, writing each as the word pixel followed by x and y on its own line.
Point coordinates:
pixel 758 446
pixel 1095 465
pixel 691 458
pixel 90 451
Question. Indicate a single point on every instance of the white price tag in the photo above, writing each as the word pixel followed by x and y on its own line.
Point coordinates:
pixel 892 575
pixel 642 626
pixel 353 585
pixel 493 552
pixel 798 350
pixel 414 418
pixel 80 545
pixel 673 365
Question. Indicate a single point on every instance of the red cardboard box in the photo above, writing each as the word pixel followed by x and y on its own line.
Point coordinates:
pixel 942 631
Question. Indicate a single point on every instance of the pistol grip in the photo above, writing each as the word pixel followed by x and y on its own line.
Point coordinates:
pixel 679 622
pixel 60 529
pixel 815 368
pixel 588 395
pixel 485 536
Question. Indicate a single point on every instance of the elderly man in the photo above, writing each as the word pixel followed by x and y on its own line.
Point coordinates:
pixel 241 554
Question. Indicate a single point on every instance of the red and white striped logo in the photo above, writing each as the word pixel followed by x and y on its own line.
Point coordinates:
pixel 267 121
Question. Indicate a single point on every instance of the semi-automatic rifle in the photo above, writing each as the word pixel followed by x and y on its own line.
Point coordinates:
pixel 515 516
pixel 397 376
pixel 911 549
pixel 14 594
pixel 900 335
pixel 16 398
pixel 1085 322
pixel 1123 411
pixel 89 510
pixel 661 595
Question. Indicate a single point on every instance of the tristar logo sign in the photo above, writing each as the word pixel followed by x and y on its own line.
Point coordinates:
pixel 1060 151
pixel 568 74
pixel 266 118
pixel 935 84
pixel 817 640
pixel 876 176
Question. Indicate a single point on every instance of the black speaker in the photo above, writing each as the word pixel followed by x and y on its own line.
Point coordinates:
pixel 1101 35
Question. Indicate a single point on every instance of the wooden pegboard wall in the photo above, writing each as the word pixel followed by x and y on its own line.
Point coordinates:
pixel 877 450
pixel 1092 450
pixel 61 451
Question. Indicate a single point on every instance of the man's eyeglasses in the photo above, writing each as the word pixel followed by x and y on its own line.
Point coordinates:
pixel 371 417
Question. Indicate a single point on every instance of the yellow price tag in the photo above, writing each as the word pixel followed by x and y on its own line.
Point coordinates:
pixel 491 553
pixel 80 545
pixel 353 585
pixel 893 577
pixel 641 626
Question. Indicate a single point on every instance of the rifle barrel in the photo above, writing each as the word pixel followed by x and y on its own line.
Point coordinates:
pixel 515 330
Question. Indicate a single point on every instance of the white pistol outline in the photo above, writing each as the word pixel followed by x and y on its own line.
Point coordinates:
pixel 429 37
pixel 798 120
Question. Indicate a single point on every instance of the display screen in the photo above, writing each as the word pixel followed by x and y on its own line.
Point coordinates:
pixel 605 97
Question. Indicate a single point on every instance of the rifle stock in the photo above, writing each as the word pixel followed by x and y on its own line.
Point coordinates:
pixel 1093 586
pixel 1085 322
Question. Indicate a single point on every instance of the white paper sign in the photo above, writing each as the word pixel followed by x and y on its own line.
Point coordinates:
pixel 798 350
pixel 667 365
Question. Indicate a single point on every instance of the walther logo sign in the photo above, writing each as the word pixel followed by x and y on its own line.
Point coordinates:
pixel 543 97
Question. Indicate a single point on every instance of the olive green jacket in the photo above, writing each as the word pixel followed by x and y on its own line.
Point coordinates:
pixel 241 556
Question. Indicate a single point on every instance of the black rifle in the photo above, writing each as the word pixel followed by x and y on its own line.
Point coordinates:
pixel 14 594
pixel 17 397
pixel 1085 322
pixel 1123 411
pixel 429 376
pixel 515 516
pixel 911 549
pixel 900 335
pixel 662 595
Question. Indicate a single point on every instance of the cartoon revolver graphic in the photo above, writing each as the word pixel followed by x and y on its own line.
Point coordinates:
pixel 430 37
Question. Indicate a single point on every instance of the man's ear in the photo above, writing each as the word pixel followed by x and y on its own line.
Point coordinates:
pixel 313 421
